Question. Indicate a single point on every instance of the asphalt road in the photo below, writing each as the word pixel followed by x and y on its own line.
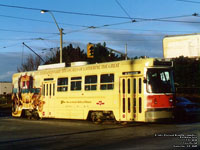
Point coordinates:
pixel 52 134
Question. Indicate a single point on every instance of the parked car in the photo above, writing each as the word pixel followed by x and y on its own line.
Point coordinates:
pixel 186 110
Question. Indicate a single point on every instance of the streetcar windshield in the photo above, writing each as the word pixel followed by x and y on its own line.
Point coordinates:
pixel 160 81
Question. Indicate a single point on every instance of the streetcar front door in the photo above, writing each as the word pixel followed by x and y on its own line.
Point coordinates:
pixel 49 94
pixel 126 99
pixel 131 106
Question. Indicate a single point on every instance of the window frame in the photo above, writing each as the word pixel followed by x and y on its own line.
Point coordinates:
pixel 108 84
pixel 76 80
pixel 63 86
pixel 91 84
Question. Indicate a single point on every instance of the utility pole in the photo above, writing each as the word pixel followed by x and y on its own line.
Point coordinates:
pixel 126 51
pixel 60 30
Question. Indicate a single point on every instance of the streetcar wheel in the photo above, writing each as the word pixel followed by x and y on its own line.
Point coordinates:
pixel 93 117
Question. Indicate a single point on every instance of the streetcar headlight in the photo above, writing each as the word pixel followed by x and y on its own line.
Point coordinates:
pixel 170 100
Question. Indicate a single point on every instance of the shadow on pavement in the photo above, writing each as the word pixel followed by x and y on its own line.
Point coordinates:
pixel 5 112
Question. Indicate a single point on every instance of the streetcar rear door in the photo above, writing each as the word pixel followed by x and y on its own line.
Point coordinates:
pixel 49 98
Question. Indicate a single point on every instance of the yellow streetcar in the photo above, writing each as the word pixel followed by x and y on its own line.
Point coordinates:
pixel 130 90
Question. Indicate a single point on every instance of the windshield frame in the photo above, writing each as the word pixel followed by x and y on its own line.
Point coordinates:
pixel 169 83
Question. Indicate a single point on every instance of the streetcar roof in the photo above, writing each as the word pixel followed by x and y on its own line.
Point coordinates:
pixel 145 62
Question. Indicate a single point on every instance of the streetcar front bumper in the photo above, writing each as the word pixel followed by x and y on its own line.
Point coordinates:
pixel 159 115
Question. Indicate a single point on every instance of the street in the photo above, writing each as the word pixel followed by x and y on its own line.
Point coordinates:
pixel 17 133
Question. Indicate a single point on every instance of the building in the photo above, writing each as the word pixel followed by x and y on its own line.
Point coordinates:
pixel 187 45
pixel 5 88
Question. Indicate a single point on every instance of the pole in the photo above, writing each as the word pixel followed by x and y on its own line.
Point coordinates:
pixel 33 51
pixel 126 51
pixel 60 30
pixel 61 43
pixel 61 35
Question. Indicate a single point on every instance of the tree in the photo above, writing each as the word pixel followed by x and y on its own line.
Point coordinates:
pixel 31 63
pixel 187 71
pixel 101 54
pixel 70 54
pixel 187 76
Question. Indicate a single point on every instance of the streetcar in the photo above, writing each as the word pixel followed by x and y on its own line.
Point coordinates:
pixel 140 90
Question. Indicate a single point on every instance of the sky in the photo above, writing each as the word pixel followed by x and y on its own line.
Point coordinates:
pixel 141 24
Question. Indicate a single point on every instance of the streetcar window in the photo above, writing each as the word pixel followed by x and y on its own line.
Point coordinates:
pixel 47 90
pixel 131 73
pixel 140 85
pixel 160 81
pixel 129 105
pixel 53 89
pixel 48 79
pixel 90 83
pixel 129 90
pixel 62 84
pixel 76 83
pixel 134 101
pixel 35 90
pixel 24 84
pixel 44 90
pixel 124 105
pixel 14 90
pixel 123 87
pixel 107 81
pixel 50 89
pixel 134 86
pixel 140 105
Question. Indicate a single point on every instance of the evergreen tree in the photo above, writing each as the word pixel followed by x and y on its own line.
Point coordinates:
pixel 71 54
pixel 102 54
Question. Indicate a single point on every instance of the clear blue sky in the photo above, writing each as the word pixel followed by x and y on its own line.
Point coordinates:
pixel 143 37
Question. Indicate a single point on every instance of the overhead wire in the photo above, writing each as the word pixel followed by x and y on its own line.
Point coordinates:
pixel 113 24
pixel 66 12
pixel 22 18
pixel 149 30
pixel 28 41
pixel 8 30
pixel 163 19
pixel 124 10
pixel 172 17
pixel 88 14
pixel 174 21
pixel 188 1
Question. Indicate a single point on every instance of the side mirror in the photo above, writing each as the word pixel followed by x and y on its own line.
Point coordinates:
pixel 145 81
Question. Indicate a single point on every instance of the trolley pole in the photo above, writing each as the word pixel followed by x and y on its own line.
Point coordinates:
pixel 33 51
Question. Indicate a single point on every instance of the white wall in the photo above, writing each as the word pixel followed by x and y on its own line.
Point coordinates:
pixel 185 45
pixel 5 88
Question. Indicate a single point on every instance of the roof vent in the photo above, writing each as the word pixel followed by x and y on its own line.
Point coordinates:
pixel 51 66
pixel 78 63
